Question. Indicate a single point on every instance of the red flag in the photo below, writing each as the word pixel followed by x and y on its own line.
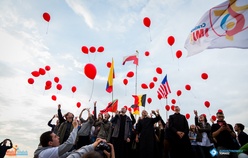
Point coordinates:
pixel 133 58
pixel 112 106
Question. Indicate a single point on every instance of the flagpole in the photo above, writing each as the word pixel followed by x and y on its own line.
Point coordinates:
pixel 136 77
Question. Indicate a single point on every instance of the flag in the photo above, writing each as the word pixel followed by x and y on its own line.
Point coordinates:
pixel 109 86
pixel 112 106
pixel 140 100
pixel 164 88
pixel 223 26
pixel 133 58
pixel 135 109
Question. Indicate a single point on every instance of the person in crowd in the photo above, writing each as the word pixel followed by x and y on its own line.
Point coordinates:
pixel 192 138
pixel 121 133
pixel 242 136
pixel 105 128
pixel 54 127
pixel 159 135
pixel 225 136
pixel 65 125
pixel 133 147
pixel 96 128
pixel 179 133
pixel 145 134
pixel 204 137
pixel 167 140
pixel 4 147
pixel 85 129
pixel 243 151
pixel 50 146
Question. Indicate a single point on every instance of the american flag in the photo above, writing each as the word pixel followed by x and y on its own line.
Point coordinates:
pixel 164 88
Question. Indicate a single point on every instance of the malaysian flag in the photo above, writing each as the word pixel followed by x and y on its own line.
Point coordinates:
pixel 164 88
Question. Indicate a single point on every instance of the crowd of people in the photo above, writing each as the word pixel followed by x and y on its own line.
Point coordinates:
pixel 122 136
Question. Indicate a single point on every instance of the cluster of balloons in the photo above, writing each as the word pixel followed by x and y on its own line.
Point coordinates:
pixel 92 49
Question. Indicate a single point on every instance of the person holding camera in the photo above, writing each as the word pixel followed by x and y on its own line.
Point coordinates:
pixel 99 149
pixel 225 137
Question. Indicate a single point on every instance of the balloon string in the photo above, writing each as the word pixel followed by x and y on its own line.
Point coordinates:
pixel 172 54
pixel 150 35
pixel 91 91
pixel 47 28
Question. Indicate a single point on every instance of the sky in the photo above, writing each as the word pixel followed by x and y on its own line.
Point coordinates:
pixel 29 42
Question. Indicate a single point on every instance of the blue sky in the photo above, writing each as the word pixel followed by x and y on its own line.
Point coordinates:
pixel 28 43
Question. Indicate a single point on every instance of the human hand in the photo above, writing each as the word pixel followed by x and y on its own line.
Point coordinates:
pixel 95 103
pixel 195 112
pixel 128 140
pixel 59 106
pixel 98 140
pixel 112 154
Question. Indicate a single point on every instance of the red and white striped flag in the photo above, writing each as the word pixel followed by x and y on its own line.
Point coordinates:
pixel 164 88
pixel 133 58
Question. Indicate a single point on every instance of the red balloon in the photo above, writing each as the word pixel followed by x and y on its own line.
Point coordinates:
pixel 108 64
pixel 187 116
pixel 167 107
pixel 159 96
pixel 30 80
pixel 78 104
pixel 125 81
pixel 42 71
pixel 56 79
pixel 85 50
pixel 48 83
pixel 73 89
pixel 188 87
pixel 173 101
pixel 171 40
pixel 59 86
pixel 47 67
pixel 220 110
pixel 35 73
pixel 179 54
pixel 129 109
pixel 159 70
pixel 100 49
pixel 207 104
pixel 204 76
pixel 130 74
pixel 179 92
pixel 147 21
pixel 149 100
pixel 90 71
pixel 48 87
pixel 144 86
pixel 147 53
pixel 54 98
pixel 213 117
pixel 46 16
pixel 151 85
pixel 92 49
pixel 172 107
pixel 155 79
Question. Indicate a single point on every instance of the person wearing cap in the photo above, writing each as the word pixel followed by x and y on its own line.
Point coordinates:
pixel 225 137
pixel 204 137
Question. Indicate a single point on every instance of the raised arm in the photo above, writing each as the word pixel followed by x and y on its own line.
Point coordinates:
pixel 68 144
pixel 61 118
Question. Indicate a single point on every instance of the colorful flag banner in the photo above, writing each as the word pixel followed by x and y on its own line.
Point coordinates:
pixel 109 86
pixel 164 88
pixel 140 100
pixel 112 107
pixel 223 26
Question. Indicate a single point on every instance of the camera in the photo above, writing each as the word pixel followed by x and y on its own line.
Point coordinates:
pixel 103 146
